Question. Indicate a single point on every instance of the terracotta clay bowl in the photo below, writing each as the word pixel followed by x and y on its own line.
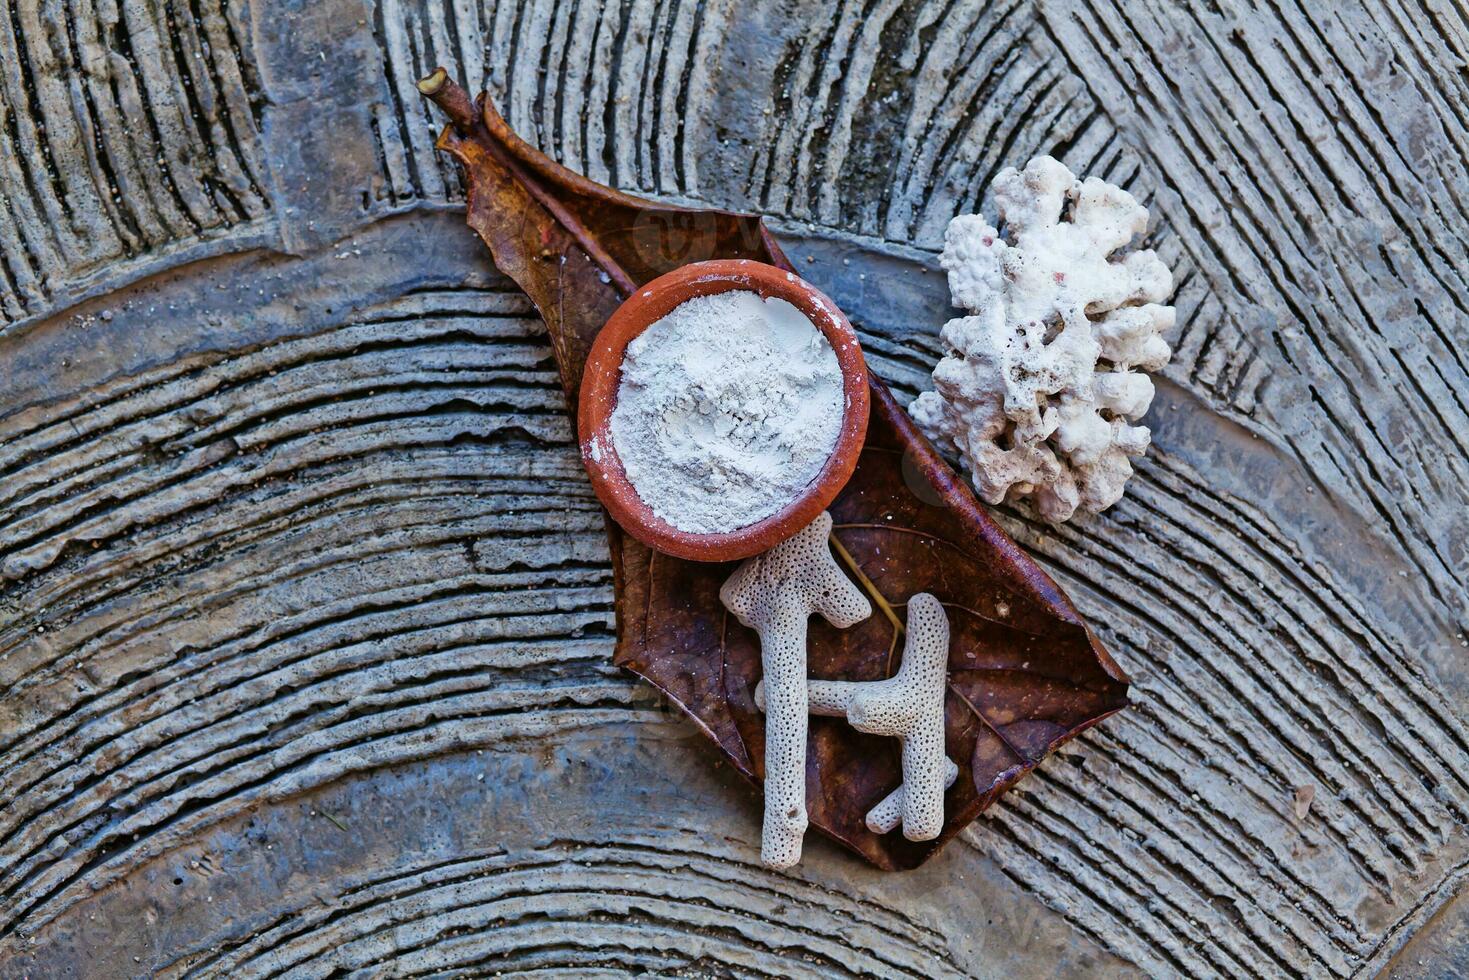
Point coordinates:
pixel 604 374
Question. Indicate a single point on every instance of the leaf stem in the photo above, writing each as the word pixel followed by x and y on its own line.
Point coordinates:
pixel 449 96
pixel 866 583
pixel 469 120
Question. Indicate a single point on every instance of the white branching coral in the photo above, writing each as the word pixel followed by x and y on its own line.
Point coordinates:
pixel 889 812
pixel 774 594
pixel 1037 393
pixel 908 706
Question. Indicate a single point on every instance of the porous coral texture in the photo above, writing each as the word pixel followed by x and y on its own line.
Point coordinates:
pixel 774 594
pixel 889 811
pixel 908 706
pixel 1038 390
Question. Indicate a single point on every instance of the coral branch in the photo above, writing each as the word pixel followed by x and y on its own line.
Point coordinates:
pixel 889 813
pixel 774 594
pixel 909 706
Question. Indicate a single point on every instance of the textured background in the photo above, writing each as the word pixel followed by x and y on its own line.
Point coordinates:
pixel 305 616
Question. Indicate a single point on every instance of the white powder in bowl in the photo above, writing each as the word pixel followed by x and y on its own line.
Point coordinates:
pixel 728 407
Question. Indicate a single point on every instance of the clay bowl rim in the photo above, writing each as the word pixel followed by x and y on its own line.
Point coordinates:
pixel 598 398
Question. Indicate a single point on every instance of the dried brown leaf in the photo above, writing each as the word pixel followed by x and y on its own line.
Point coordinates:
pixel 1026 672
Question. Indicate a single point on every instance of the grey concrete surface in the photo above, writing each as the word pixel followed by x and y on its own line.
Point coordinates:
pixel 305 612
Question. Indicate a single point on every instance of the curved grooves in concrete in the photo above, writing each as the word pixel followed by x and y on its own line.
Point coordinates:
pixel 129 132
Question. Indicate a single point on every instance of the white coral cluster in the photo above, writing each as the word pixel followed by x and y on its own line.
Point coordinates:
pixel 1037 393
pixel 774 593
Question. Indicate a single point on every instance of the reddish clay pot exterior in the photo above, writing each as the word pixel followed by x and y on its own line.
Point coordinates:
pixel 603 375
